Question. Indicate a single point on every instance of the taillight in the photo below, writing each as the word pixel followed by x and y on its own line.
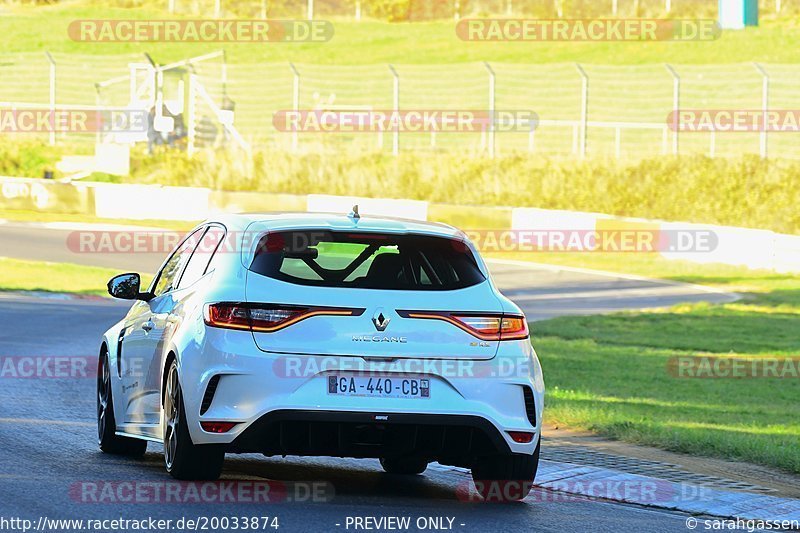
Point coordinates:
pixel 521 437
pixel 487 327
pixel 217 427
pixel 266 318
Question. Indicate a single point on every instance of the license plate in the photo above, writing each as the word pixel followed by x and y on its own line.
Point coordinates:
pixel 379 387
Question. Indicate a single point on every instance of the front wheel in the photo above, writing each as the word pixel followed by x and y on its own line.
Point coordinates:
pixel 184 459
pixel 506 478
pixel 107 436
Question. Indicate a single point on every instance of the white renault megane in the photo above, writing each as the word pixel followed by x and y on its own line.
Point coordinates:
pixel 323 335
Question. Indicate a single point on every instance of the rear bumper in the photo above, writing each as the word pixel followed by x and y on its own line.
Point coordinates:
pixel 471 407
pixel 448 439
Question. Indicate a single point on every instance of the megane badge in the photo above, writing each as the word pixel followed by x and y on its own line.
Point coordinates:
pixel 380 320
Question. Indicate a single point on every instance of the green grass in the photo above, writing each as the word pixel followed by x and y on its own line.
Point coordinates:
pixel 438 71
pixel 651 265
pixel 20 275
pixel 27 29
pixel 609 374
pixel 28 158
pixel 746 191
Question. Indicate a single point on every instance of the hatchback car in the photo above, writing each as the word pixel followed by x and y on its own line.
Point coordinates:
pixel 323 335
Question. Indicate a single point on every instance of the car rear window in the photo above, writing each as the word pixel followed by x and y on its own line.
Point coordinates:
pixel 366 260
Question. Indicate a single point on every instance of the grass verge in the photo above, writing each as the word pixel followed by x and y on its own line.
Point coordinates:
pixel 609 374
pixel 745 191
pixel 33 29
pixel 22 275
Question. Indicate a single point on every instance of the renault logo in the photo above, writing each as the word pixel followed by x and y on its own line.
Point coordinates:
pixel 380 320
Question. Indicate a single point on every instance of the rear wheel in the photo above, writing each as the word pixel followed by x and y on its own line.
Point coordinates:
pixel 409 466
pixel 184 459
pixel 506 478
pixel 107 438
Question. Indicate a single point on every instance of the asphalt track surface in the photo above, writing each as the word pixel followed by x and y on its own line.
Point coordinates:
pixel 541 291
pixel 50 463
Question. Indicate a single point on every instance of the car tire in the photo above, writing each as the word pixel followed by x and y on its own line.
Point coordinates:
pixel 407 466
pixel 107 438
pixel 183 459
pixel 506 478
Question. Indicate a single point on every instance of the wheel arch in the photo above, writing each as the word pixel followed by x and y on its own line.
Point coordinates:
pixel 171 356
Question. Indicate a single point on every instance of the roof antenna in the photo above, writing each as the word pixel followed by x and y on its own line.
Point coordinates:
pixel 354 213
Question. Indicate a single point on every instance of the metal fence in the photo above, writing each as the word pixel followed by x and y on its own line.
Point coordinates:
pixel 193 88
pixel 584 110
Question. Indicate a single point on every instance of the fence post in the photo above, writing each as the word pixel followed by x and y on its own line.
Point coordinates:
pixel 98 101
pixel 765 107
pixel 668 5
pixel 295 100
pixel 614 7
pixel 52 95
pixel 584 135
pixel 310 10
pixel 676 106
pixel 224 74
pixel 159 95
pixel 491 132
pixel 191 112
pixel 396 109
pixel 217 8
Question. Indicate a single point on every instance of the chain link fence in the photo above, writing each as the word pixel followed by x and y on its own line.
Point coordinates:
pixel 585 111
pixel 192 90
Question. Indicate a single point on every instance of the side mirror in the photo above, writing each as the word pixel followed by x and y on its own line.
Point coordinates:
pixel 126 287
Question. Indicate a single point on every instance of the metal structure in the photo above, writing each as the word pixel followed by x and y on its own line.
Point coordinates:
pixel 584 110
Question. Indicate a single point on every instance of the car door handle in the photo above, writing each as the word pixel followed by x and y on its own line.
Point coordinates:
pixel 147 326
